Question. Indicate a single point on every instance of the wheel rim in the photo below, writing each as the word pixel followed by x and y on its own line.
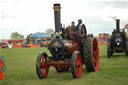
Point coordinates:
pixel 95 52
pixel 41 67
pixel 78 65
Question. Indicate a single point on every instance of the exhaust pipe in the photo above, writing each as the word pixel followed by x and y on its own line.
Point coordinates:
pixel 118 25
pixel 57 8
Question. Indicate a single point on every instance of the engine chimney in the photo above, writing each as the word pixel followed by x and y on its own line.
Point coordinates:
pixel 118 25
pixel 57 17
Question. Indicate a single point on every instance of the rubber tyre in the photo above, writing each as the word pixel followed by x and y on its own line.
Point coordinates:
pixel 89 56
pixel 41 68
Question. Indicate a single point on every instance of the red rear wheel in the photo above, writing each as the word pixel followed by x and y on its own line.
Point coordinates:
pixel 95 52
pixel 76 64
pixel 41 67
pixel 91 54
pixel 82 35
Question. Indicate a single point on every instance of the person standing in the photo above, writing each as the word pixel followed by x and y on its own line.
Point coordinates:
pixel 79 22
pixel 73 26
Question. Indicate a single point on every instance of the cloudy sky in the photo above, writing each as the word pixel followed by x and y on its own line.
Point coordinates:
pixel 30 16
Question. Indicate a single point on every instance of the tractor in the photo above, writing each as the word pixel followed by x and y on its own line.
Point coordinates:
pixel 69 49
pixel 118 42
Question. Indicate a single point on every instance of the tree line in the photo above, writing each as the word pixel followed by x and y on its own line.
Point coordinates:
pixel 16 35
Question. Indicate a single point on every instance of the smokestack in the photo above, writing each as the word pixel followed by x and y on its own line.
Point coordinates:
pixel 57 8
pixel 118 24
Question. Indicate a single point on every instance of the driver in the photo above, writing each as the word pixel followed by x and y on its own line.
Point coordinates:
pixel 79 22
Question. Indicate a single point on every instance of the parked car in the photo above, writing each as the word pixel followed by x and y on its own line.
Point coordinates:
pixel 4 45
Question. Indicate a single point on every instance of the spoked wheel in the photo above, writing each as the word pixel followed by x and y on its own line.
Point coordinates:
pixel 91 54
pixel 76 64
pixel 109 52
pixel 95 51
pixel 41 68
pixel 82 34
pixel 62 69
pixel 126 52
pixel 126 45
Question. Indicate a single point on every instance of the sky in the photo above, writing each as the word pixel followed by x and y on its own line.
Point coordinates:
pixel 31 16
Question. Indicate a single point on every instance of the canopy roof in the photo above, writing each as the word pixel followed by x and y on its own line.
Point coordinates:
pixel 40 35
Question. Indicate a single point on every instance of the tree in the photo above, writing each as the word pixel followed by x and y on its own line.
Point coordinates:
pixel 49 31
pixel 16 35
pixel 28 38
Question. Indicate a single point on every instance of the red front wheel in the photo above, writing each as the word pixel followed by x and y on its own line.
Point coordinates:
pixel 76 64
pixel 41 68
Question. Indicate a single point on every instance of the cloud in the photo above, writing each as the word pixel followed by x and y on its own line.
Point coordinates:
pixel 30 16
pixel 96 24
pixel 116 4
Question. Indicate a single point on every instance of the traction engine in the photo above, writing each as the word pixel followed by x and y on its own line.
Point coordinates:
pixel 118 42
pixel 69 50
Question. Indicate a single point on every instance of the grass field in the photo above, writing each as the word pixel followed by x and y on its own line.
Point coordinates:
pixel 21 69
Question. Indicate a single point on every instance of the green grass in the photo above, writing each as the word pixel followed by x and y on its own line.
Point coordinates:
pixel 21 69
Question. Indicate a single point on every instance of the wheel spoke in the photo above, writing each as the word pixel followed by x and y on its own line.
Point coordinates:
pixel 41 65
pixel 83 35
pixel 77 64
pixel 83 30
pixel 94 53
pixel 43 59
pixel 94 60
pixel 43 71
pixel 94 57
pixel 79 70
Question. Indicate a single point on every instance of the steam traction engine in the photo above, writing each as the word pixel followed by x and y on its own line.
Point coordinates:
pixel 118 42
pixel 69 49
